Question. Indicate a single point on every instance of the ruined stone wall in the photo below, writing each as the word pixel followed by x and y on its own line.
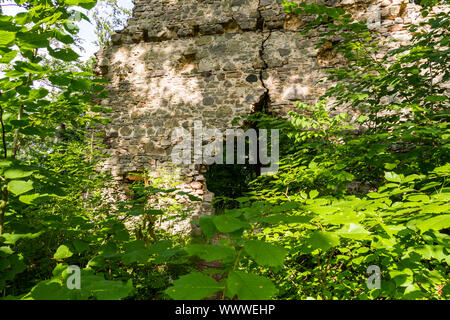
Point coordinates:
pixel 179 61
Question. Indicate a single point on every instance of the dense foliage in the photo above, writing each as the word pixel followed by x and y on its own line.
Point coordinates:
pixel 350 195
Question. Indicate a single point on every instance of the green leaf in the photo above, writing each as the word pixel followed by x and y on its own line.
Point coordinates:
pixel 96 285
pixel 86 4
pixel 17 173
pixel 12 238
pixel 342 218
pixel 136 251
pixel 33 40
pixel 80 84
pixel 66 54
pixel 403 277
pixel 390 166
pixel 353 231
pixel 376 195
pixel 207 225
pixel 6 250
pixel 6 38
pixel 62 253
pixel 225 223
pixel 435 208
pixel 211 252
pixel 436 223
pixel 7 57
pixel 194 286
pixel 49 290
pixel 282 218
pixel 322 240
pixel 19 186
pixel 5 163
pixel 92 285
pixel 313 194
pixel 417 197
pixel 23 18
pixel 29 198
pixel 393 177
pixel 64 38
pixel 264 253
pixel 80 246
pixel 248 286
pixel 60 80
pixel 430 252
pixel 436 98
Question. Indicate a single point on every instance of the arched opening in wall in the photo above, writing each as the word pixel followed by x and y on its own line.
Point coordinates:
pixel 232 180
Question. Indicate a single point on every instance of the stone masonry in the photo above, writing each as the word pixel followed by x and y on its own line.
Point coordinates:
pixel 180 61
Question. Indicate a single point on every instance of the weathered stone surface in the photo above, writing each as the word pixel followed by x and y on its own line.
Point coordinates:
pixel 181 61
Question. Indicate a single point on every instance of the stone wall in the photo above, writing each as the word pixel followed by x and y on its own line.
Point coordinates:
pixel 179 61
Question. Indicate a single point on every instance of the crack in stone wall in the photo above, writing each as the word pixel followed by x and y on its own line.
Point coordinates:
pixel 265 99
pixel 182 61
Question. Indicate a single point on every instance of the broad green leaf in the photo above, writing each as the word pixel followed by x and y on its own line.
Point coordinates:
pixel 248 286
pixel 137 251
pixel 6 38
pixel 7 57
pixel 80 246
pixel 376 195
pixel 390 166
pixel 139 256
pixel 342 218
pixel 60 80
pixel 19 186
pixel 66 54
pixel 313 194
pixel 6 250
pixel 211 252
pixel 322 240
pixel 194 286
pixel 23 18
pixel 92 285
pixel 109 250
pixel 29 198
pixel 12 238
pixel 64 38
pixel 264 253
pixel 17 173
pixel 353 231
pixel 225 223
pixel 5 163
pixel 417 197
pixel 435 208
pixel 80 84
pixel 403 277
pixel 62 253
pixel 283 218
pixel 49 290
pixel 436 98
pixel 33 40
pixel 393 177
pixel 430 252
pixel 436 223
pixel 96 285
pixel 208 227
pixel 86 4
